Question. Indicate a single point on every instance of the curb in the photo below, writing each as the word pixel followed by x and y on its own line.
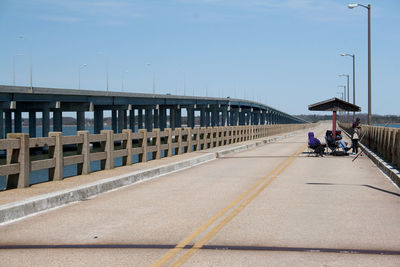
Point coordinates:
pixel 384 166
pixel 28 207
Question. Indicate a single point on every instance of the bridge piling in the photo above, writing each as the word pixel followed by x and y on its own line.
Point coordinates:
pixel 45 122
pixel 80 120
pixel 1 124
pixel 114 125
pixel 98 120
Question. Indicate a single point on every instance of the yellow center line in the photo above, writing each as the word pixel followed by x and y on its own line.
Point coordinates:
pixel 235 212
pixel 202 228
pixel 192 236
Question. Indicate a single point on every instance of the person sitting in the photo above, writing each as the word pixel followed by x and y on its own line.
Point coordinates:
pixel 315 144
pixel 342 144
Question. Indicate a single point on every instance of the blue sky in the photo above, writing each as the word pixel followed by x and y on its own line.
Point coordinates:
pixel 282 53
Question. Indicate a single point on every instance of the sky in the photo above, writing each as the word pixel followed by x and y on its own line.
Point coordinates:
pixel 285 54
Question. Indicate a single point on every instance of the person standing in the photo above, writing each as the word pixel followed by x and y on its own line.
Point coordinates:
pixel 355 137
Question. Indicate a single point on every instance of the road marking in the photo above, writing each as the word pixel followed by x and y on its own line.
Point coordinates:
pixel 233 214
pixel 220 214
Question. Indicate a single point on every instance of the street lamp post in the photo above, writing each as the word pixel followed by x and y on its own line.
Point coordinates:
pixel 154 79
pixel 123 76
pixel 344 93
pixel 184 84
pixel 348 93
pixel 369 57
pixel 354 80
pixel 79 74
pixel 17 55
pixel 30 55
pixel 106 57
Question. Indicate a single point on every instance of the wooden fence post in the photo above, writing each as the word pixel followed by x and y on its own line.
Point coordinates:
pixel 397 144
pixel 108 147
pixel 189 139
pixel 143 144
pixel 84 150
pixel 211 130
pixel 169 141
pixel 157 143
pixel 179 141
pixel 197 139
pixel 56 152
pixel 217 137
pixel 127 144
pixel 21 156
pixel 393 146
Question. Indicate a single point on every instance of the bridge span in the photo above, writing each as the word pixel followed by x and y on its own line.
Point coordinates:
pixel 128 110
pixel 274 205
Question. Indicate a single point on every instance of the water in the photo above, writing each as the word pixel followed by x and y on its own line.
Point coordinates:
pixel 66 129
pixel 389 125
pixel 70 170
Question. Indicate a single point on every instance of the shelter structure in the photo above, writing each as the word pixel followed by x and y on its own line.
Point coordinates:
pixel 334 105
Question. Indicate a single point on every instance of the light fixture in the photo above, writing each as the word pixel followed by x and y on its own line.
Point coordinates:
pixel 13 104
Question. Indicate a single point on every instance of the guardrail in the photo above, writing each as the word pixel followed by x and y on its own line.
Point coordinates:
pixel 384 140
pixel 20 164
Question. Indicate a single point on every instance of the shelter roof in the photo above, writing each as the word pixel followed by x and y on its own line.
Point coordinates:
pixel 334 104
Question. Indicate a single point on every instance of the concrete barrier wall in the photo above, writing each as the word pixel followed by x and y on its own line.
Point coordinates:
pixel 18 146
pixel 384 141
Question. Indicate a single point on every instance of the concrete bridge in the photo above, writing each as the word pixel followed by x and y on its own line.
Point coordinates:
pixel 145 110
pixel 260 202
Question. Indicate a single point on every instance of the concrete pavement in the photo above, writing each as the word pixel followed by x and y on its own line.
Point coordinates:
pixel 270 206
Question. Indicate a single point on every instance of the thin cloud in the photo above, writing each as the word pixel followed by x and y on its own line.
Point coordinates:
pixel 59 18
pixel 103 12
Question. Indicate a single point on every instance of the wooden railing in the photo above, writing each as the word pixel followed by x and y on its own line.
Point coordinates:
pixel 20 163
pixel 385 141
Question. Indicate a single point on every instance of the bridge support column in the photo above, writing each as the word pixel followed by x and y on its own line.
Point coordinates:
pixel 178 117
pixel 156 118
pixel 208 117
pixel 1 124
pixel 17 122
pixel 140 118
pixel 232 117
pixel 248 117
pixel 257 117
pixel 262 117
pixel 148 119
pixel 45 122
pixel 163 118
pixel 224 116
pixel 57 120
pixel 202 117
pixel 172 118
pixel 214 116
pixel 125 122
pixel 242 117
pixel 98 120
pixel 80 120
pixel 7 121
pixel 132 119
pixel 121 120
pixel 114 125
pixel 190 117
